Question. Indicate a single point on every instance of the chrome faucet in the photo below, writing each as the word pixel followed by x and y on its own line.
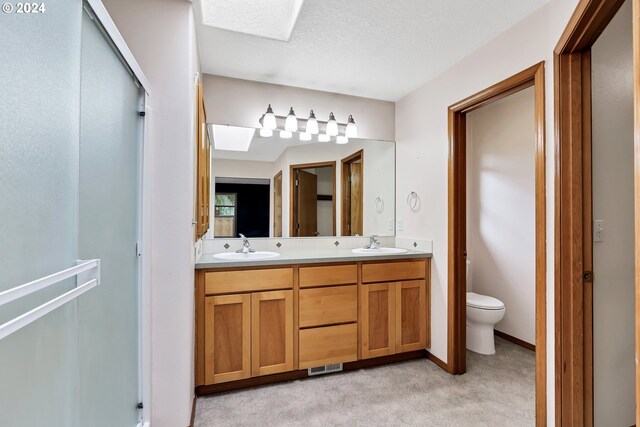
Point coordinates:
pixel 246 246
pixel 374 243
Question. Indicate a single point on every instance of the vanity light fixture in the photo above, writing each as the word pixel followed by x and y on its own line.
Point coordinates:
pixel 351 131
pixel 341 139
pixel 269 119
pixel 285 134
pixel 291 123
pixel 305 136
pixel 266 133
pixel 332 125
pixel 312 124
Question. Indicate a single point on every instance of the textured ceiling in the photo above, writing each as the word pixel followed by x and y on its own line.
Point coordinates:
pixel 374 48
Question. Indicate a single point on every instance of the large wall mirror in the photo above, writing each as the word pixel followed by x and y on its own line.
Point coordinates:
pixel 268 186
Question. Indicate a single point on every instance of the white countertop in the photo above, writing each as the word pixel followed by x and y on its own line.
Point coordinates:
pixel 306 256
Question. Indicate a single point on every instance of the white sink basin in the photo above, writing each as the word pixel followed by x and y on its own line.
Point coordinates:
pixel 251 256
pixel 379 251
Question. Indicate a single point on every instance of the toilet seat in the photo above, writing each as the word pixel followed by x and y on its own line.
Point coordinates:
pixel 483 302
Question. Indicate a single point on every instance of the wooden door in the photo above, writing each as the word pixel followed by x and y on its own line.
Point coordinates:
pixel 307 204
pixel 271 332
pixel 378 332
pixel 227 338
pixel 277 205
pixel 352 194
pixel 411 315
pixel 356 211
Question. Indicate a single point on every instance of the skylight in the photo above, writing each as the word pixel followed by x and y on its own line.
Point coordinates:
pixel 273 19
pixel 232 138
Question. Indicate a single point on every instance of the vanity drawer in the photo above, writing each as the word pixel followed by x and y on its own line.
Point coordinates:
pixel 328 275
pixel 391 271
pixel 328 345
pixel 227 282
pixel 327 306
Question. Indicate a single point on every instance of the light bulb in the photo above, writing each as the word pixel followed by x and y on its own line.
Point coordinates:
pixel 269 119
pixel 291 123
pixel 285 134
pixel 312 124
pixel 323 137
pixel 352 129
pixel 305 136
pixel 266 132
pixel 332 126
pixel 341 139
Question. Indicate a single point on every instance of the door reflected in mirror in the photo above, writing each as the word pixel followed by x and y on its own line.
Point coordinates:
pixel 277 187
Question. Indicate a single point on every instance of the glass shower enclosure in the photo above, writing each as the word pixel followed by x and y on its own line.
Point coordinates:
pixel 71 139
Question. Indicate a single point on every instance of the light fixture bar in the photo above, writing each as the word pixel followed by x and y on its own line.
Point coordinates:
pixel 322 125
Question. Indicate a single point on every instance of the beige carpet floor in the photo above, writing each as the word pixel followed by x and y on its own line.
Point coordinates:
pixel 496 391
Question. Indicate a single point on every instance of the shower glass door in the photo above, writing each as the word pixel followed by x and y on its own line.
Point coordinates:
pixel 70 156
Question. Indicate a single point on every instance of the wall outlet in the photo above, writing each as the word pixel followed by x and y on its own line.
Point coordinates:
pixel 598 230
pixel 400 224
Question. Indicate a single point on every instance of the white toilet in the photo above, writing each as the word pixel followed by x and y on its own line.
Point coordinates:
pixel 483 312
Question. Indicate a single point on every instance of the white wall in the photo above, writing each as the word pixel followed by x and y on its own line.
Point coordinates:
pixel 241 103
pixel 613 287
pixel 501 208
pixel 169 60
pixel 422 151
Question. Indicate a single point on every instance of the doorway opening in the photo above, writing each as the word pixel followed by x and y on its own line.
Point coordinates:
pixel 457 256
pixel 313 193
pixel 352 194
pixel 241 206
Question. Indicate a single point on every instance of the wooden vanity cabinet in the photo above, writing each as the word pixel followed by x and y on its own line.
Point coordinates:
pixel 411 315
pixel 378 320
pixel 246 334
pixel 394 314
pixel 257 321
pixel 327 315
pixel 271 332
pixel 227 338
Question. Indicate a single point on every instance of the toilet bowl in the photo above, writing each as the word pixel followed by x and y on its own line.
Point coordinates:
pixel 483 312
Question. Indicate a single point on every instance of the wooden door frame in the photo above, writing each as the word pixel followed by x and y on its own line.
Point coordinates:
pixel 346 164
pixel 292 190
pixel 275 177
pixel 456 333
pixel 573 293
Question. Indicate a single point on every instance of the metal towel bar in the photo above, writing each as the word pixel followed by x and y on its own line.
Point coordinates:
pixel 86 272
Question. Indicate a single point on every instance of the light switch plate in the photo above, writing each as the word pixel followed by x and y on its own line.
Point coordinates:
pixel 391 224
pixel 598 230
pixel 400 224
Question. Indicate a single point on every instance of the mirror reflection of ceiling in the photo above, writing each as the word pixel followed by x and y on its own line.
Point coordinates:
pixel 240 143
pixel 378 49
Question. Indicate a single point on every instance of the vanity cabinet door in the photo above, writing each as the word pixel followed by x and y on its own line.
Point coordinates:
pixel 378 317
pixel 411 315
pixel 227 338
pixel 272 332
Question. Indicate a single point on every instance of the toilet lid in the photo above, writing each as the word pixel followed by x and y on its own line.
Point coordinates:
pixel 483 301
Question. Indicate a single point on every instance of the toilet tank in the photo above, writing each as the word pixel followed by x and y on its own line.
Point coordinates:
pixel 468 275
